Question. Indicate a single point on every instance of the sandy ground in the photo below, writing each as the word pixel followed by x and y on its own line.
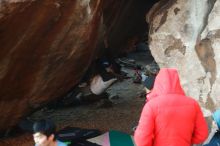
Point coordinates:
pixel 123 115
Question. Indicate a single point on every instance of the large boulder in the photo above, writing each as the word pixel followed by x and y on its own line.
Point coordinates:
pixel 186 35
pixel 46 46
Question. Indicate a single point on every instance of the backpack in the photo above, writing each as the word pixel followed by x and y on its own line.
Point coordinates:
pixel 83 143
pixel 75 136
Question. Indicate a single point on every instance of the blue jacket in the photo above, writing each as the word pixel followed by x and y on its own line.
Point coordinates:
pixel 215 141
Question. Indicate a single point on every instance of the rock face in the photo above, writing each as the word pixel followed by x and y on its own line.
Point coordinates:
pixel 186 35
pixel 46 46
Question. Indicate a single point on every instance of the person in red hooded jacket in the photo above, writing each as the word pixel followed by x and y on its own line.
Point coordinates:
pixel 169 117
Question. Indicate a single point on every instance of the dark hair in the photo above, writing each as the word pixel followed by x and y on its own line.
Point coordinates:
pixel 45 127
pixel 149 82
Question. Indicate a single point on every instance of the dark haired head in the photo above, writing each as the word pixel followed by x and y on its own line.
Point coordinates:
pixel 45 127
pixel 149 82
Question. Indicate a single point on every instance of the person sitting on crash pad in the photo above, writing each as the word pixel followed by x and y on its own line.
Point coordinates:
pixel 104 73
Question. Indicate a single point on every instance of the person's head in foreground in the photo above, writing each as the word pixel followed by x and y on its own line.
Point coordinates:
pixel 44 134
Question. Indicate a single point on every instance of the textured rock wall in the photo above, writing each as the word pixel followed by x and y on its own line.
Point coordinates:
pixel 46 46
pixel 185 35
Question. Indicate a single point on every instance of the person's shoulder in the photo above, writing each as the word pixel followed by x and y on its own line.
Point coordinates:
pixel 193 102
pixel 191 99
pixel 59 143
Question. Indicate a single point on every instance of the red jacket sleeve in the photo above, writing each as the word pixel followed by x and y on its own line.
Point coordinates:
pixel 200 132
pixel 144 133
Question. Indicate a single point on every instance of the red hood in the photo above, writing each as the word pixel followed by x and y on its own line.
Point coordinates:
pixel 166 82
